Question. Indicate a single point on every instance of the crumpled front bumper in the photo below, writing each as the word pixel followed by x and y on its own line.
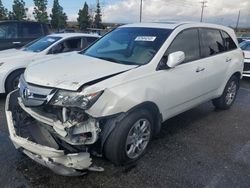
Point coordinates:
pixel 73 164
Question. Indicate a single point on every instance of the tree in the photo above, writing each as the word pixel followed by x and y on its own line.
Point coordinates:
pixel 40 11
pixel 3 12
pixel 19 10
pixel 83 17
pixel 58 17
pixel 98 17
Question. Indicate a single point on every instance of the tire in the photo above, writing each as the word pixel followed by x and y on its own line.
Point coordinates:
pixel 12 80
pixel 226 100
pixel 118 149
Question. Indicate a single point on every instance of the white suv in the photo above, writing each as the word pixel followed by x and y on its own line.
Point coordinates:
pixel 112 98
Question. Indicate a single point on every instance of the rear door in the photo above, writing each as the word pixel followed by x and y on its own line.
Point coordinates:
pixel 215 57
pixel 8 35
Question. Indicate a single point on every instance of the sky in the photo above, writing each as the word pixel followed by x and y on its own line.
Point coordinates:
pixel 127 11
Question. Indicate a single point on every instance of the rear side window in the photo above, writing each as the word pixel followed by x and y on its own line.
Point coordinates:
pixel 8 31
pixel 31 30
pixel 211 42
pixel 228 42
pixel 188 42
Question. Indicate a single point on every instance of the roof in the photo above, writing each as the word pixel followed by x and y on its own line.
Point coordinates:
pixel 67 35
pixel 21 21
pixel 173 25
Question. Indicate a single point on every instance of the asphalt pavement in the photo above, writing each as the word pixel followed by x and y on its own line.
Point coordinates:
pixel 203 147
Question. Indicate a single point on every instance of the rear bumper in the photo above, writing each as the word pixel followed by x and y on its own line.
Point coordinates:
pixel 72 164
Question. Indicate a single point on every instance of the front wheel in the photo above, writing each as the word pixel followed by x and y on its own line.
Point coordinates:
pixel 226 100
pixel 129 140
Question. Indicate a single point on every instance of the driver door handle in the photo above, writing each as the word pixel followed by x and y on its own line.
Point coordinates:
pixel 200 69
pixel 17 42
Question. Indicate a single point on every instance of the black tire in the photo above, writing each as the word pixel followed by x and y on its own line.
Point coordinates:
pixel 11 81
pixel 115 146
pixel 222 102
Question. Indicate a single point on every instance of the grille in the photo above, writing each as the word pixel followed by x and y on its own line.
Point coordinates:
pixel 33 95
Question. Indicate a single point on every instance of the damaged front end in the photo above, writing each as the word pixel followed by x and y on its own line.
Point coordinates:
pixel 57 137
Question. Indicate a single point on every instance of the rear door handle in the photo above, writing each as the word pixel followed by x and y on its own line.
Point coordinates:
pixel 228 59
pixel 200 69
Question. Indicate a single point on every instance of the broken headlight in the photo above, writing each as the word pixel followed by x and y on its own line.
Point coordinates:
pixel 75 99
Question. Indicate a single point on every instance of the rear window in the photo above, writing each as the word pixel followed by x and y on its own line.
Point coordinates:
pixel 228 42
pixel 211 42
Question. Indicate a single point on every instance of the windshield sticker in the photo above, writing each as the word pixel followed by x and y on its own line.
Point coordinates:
pixel 51 40
pixel 145 38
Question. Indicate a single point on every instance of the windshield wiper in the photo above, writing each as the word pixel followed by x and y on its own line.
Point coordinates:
pixel 110 59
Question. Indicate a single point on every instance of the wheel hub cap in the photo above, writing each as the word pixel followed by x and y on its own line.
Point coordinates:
pixel 138 138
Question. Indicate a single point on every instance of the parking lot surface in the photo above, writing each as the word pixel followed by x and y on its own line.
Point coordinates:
pixel 199 148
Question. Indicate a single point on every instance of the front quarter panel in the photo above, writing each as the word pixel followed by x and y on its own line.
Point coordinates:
pixel 124 97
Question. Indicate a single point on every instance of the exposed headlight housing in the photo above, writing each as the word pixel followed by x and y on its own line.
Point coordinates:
pixel 75 99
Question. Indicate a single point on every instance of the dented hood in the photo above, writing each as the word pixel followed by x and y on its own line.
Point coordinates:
pixel 71 71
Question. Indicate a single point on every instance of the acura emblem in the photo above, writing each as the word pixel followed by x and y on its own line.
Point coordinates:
pixel 26 93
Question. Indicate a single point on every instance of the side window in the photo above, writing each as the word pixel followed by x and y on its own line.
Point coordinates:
pixel 188 42
pixel 228 42
pixel 211 42
pixel 90 40
pixel 31 30
pixel 8 31
pixel 67 46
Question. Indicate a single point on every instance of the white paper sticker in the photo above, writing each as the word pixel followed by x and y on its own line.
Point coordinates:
pixel 51 40
pixel 145 38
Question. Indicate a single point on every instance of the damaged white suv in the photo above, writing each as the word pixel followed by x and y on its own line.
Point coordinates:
pixel 112 98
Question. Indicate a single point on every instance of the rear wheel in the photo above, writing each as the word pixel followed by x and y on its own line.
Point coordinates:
pixel 129 140
pixel 13 80
pixel 226 100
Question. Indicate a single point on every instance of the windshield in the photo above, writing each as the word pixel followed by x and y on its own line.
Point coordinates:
pixel 245 45
pixel 41 44
pixel 131 46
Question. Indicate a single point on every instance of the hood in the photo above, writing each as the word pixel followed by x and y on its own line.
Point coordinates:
pixel 71 71
pixel 14 54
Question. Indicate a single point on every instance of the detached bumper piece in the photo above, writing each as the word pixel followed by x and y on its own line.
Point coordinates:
pixel 40 145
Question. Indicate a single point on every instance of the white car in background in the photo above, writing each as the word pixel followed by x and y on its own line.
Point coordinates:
pixel 14 61
pixel 245 46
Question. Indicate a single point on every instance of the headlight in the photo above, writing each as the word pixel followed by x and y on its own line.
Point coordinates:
pixel 75 99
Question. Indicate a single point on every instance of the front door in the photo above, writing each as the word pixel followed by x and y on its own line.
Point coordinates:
pixel 185 85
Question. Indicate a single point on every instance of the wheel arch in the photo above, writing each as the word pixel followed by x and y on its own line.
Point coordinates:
pixel 112 121
pixel 9 74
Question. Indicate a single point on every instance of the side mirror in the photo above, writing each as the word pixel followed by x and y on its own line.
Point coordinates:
pixel 175 59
